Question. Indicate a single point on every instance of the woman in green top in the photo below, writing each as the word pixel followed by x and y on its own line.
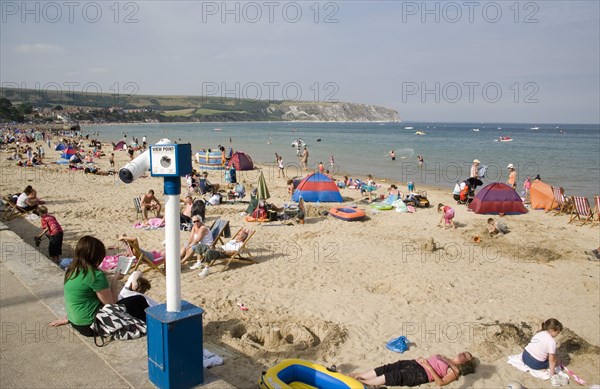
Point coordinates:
pixel 87 289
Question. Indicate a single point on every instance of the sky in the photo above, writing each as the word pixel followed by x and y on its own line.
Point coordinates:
pixel 458 61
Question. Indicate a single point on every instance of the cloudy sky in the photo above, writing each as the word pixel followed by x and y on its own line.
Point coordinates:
pixel 530 61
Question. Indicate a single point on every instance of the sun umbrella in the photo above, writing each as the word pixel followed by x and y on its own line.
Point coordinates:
pixel 262 192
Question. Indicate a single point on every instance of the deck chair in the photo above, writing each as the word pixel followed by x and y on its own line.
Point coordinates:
pixel 140 258
pixel 560 203
pixel 596 212
pixel 220 229
pixel 12 210
pixel 581 210
pixel 137 202
pixel 239 255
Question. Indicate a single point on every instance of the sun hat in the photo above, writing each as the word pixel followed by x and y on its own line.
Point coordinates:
pixel 476 161
pixel 510 166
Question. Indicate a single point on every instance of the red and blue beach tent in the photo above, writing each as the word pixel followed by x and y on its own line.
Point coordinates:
pixel 317 187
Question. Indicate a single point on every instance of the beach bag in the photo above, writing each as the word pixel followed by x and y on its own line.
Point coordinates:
pixel 113 322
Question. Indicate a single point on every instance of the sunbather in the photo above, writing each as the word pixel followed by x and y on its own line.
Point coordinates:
pixel 437 368
pixel 27 201
pixel 150 202
pixel 137 285
pixel 200 234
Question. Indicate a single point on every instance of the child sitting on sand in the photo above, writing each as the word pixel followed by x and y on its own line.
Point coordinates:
pixel 540 353
pixel 496 227
pixel 447 216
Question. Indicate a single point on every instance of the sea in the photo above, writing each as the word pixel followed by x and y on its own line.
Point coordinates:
pixel 566 155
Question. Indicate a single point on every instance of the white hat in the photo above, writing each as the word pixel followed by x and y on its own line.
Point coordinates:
pixel 510 166
pixel 476 161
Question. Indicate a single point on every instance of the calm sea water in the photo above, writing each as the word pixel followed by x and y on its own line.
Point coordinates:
pixel 570 159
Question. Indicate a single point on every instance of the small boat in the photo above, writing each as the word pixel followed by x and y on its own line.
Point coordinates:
pixel 294 130
pixel 297 373
pixel 318 140
pixel 503 139
pixel 475 130
pixel 217 129
pixel 534 128
pixel 347 214
pixel 409 128
pixel 298 143
pixel 420 133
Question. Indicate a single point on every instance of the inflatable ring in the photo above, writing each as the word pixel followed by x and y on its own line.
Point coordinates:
pixel 347 214
pixel 382 206
pixel 296 373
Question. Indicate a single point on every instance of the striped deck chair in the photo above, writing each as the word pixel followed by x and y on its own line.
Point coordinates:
pixel 142 258
pixel 560 203
pixel 12 210
pixel 237 256
pixel 581 210
pixel 596 212
pixel 137 202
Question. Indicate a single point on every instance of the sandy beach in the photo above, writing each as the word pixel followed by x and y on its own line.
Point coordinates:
pixel 335 292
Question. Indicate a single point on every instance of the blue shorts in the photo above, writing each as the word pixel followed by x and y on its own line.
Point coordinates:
pixel 533 363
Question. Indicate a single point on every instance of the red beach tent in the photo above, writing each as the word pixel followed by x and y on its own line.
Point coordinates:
pixel 497 198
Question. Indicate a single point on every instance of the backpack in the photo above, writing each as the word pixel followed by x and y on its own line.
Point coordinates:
pixel 199 208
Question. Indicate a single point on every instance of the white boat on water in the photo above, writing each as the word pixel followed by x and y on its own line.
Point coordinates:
pixel 534 128
pixel 420 133
pixel 298 143
pixel 217 129
pixel 409 128
pixel 475 130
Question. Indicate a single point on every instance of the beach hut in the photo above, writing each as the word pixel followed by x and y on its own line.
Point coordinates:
pixel 541 195
pixel 210 160
pixel 68 153
pixel 120 146
pixel 497 198
pixel 241 161
pixel 60 147
pixel 317 187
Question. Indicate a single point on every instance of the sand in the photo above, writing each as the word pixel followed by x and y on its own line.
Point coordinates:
pixel 335 292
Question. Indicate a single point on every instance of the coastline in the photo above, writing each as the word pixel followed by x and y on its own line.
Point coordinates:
pixel 338 291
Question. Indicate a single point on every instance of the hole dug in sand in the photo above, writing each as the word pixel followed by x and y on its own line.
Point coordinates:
pixel 503 339
pixel 285 338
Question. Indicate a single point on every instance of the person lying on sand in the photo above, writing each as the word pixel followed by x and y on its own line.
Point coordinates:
pixel 414 372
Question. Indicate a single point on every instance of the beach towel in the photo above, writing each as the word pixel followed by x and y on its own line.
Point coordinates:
pixel 400 206
pixel 153 223
pixel 517 361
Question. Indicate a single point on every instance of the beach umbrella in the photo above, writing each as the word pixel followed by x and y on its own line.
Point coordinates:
pixel 262 192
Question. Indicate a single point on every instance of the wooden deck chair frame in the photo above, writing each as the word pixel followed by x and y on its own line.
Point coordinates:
pixel 581 210
pixel 596 211
pixel 560 201
pixel 12 211
pixel 137 202
pixel 140 258
pixel 238 256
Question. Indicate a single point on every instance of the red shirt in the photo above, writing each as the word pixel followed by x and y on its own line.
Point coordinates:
pixel 49 222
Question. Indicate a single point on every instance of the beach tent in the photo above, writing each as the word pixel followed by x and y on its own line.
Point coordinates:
pixel 120 146
pixel 317 187
pixel 60 147
pixel 541 195
pixel 68 153
pixel 497 198
pixel 241 161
